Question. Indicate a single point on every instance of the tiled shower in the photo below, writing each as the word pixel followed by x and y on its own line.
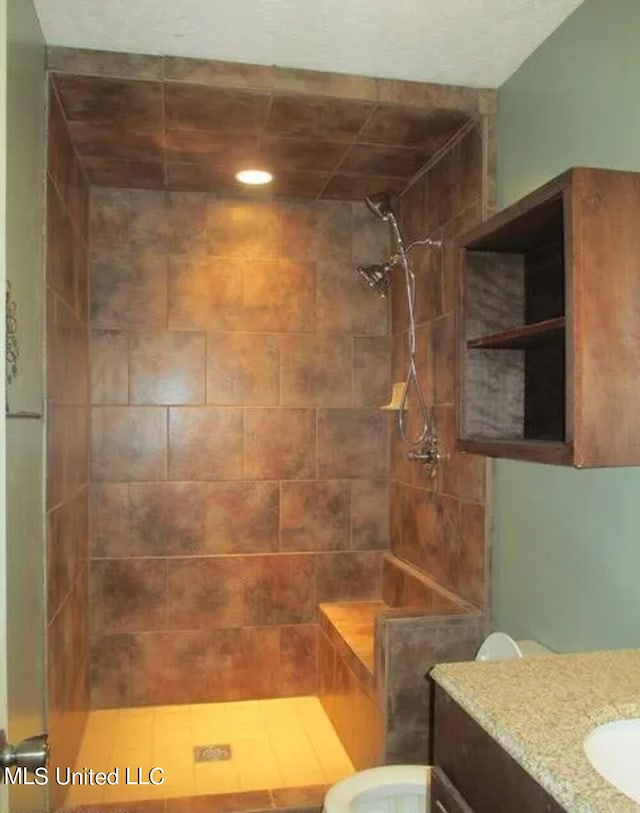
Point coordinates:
pixel 218 463
pixel 239 465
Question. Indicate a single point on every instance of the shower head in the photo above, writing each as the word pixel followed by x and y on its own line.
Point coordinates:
pixel 380 205
pixel 376 277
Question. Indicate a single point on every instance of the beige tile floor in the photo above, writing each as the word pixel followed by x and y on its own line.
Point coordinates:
pixel 276 743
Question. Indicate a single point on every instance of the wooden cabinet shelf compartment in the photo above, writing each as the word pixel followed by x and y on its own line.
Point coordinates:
pixel 520 337
pixel 549 325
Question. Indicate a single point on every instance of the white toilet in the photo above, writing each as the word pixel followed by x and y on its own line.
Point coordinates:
pixel 390 789
pixel 403 788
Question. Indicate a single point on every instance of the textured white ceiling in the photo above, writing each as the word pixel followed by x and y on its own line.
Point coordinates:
pixel 467 42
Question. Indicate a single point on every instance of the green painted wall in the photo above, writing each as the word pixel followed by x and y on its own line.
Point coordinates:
pixel 22 221
pixel 567 542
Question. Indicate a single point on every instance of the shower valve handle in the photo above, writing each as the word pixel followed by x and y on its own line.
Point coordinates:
pixel 424 455
pixel 428 455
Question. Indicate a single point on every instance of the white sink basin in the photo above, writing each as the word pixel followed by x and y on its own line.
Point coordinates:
pixel 614 751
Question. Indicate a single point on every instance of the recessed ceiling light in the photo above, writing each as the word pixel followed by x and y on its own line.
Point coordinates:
pixel 254 177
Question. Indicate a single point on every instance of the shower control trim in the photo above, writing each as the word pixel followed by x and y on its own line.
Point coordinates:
pixel 428 455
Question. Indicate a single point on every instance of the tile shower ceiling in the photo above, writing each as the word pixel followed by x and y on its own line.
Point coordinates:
pixel 154 134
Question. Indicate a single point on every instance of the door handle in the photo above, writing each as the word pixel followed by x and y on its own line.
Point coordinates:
pixel 31 753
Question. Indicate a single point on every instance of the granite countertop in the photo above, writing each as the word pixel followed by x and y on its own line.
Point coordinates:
pixel 540 709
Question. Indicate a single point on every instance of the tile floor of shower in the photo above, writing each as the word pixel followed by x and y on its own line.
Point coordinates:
pixel 275 744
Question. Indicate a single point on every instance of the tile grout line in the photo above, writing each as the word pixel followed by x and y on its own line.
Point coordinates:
pixel 310 741
pixel 374 107
pixel 206 369
pixel 165 166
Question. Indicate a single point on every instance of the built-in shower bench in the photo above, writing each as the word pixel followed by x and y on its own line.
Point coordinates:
pixel 350 626
pixel 373 657
pixel 406 593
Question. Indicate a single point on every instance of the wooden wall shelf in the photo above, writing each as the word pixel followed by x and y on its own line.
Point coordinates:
pixel 519 338
pixel 548 342
pixel 535 451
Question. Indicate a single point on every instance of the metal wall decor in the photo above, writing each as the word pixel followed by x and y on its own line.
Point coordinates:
pixel 12 351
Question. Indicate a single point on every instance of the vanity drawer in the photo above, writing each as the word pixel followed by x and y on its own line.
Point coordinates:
pixel 444 798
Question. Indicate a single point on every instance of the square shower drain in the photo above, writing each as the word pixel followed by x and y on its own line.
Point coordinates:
pixel 211 753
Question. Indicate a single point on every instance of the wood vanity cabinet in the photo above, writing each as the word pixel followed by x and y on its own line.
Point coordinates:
pixel 548 325
pixel 479 775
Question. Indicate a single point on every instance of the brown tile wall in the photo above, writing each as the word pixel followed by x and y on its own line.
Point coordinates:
pixel 219 73
pixel 239 465
pixel 67 348
pixel 438 525
pixel 410 647
pixel 405 588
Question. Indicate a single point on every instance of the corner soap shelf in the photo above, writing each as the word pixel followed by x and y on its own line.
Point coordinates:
pixel 396 398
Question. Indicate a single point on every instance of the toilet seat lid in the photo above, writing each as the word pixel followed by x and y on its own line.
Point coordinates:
pixel 340 796
pixel 498 647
